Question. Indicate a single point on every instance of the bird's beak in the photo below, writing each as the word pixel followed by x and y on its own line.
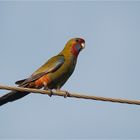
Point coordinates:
pixel 83 45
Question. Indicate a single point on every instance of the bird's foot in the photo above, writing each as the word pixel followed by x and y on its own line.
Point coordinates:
pixel 67 94
pixel 51 92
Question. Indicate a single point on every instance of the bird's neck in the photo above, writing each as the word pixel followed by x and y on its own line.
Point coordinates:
pixel 70 52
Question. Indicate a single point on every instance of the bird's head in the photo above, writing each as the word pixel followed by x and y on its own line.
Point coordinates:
pixel 74 46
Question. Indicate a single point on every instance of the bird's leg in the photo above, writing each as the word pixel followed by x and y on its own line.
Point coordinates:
pixel 51 93
pixel 46 88
pixel 67 94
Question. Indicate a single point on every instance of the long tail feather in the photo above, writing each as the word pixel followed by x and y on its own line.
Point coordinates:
pixel 12 96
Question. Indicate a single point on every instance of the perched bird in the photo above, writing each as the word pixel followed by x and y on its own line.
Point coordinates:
pixel 53 74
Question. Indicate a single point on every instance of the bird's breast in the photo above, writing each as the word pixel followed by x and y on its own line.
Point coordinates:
pixel 60 76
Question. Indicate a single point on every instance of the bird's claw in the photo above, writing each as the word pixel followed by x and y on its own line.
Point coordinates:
pixel 50 91
pixel 66 94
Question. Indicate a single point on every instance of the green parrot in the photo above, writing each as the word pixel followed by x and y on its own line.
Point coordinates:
pixel 53 74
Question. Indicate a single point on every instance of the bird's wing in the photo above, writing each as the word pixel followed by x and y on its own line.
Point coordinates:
pixel 50 66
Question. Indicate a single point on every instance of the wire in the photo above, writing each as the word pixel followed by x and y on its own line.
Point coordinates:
pixel 72 95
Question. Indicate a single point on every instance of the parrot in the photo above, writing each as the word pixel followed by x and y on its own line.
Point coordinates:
pixel 53 74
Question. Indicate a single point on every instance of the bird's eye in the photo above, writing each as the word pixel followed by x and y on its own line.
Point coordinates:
pixel 77 40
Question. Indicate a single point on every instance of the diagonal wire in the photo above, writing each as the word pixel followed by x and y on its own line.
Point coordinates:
pixel 73 95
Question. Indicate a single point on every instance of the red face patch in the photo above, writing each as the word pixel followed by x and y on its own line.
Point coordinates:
pixel 74 50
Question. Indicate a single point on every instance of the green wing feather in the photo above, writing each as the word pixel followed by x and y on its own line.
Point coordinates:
pixel 50 66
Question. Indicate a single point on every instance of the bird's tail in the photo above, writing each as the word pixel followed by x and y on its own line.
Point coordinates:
pixel 12 96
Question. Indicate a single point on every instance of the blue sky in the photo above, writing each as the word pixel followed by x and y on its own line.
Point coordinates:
pixel 32 32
